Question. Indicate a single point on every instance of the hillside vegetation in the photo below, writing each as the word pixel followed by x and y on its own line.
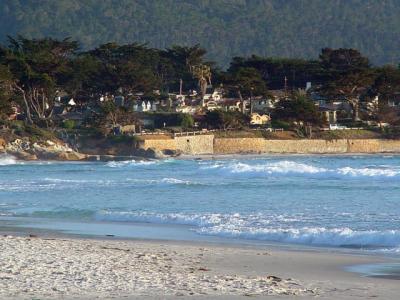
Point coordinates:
pixel 226 28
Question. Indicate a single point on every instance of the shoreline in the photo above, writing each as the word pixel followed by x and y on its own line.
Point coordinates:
pixel 62 267
pixel 159 233
pixel 205 146
pixel 110 158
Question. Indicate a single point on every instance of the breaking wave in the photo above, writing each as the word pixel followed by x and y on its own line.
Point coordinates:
pixel 6 159
pixel 130 163
pixel 293 168
pixel 264 228
pixel 339 237
pixel 138 163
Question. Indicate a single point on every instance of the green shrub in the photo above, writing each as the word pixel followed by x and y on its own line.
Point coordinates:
pixel 186 121
pixel 39 133
pixel 280 124
pixel 69 124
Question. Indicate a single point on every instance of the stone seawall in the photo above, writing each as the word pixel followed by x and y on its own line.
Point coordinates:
pixel 198 144
pixel 259 145
pixel 207 144
pixel 194 145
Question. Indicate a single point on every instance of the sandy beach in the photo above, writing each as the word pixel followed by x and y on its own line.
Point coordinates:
pixel 67 268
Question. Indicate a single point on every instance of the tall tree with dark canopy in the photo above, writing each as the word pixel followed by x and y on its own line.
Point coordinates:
pixel 185 61
pixel 348 74
pixel 37 67
pixel 5 91
pixel 274 71
pixel 297 108
pixel 131 68
pixel 387 83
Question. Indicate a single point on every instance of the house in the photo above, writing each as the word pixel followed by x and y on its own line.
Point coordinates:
pixel 231 105
pixel 144 106
pixel 180 99
pixel 212 105
pixel 278 95
pixel 187 109
pixel 262 105
pixel 329 113
pixel 394 101
pixel 216 96
pixel 127 129
pixel 258 120
pixel 15 112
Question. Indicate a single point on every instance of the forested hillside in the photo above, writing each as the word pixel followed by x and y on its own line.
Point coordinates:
pixel 226 28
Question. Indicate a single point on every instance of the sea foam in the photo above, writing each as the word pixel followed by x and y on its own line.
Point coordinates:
pixel 6 159
pixel 286 167
pixel 263 228
pixel 130 163
pixel 311 236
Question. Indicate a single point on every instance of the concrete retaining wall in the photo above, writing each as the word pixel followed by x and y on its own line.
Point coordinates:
pixel 161 144
pixel 198 144
pixel 195 145
pixel 239 145
pixel 207 144
pixel 306 146
pixel 258 145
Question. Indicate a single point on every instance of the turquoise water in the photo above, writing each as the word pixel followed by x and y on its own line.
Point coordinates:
pixel 335 201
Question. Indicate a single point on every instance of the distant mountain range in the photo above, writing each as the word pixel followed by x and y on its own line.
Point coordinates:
pixel 226 28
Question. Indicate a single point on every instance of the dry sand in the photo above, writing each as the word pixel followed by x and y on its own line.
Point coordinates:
pixel 47 268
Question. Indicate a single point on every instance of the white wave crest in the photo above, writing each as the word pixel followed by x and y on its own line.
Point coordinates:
pixel 130 163
pixel 290 167
pixel 282 167
pixel 265 228
pixel 310 236
pixel 7 159
pixel 368 172
pixel 175 181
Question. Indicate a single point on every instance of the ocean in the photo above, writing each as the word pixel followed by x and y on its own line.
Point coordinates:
pixel 322 201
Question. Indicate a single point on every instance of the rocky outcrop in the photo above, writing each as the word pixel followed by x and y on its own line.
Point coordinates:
pixel 24 149
pixel 2 144
pixel 149 153
pixel 156 153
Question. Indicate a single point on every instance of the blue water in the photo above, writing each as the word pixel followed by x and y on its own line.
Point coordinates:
pixel 335 201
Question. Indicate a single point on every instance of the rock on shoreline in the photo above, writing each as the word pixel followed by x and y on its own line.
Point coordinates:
pixel 24 149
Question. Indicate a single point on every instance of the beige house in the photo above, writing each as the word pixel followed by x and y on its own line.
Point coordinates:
pixel 257 119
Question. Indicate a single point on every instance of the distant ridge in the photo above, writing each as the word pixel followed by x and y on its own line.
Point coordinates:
pixel 226 28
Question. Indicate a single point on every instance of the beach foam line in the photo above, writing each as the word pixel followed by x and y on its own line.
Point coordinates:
pixel 171 218
pixel 339 237
pixel 263 228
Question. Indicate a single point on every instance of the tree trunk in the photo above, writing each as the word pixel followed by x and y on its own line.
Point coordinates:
pixel 27 108
pixel 355 106
pixel 241 101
